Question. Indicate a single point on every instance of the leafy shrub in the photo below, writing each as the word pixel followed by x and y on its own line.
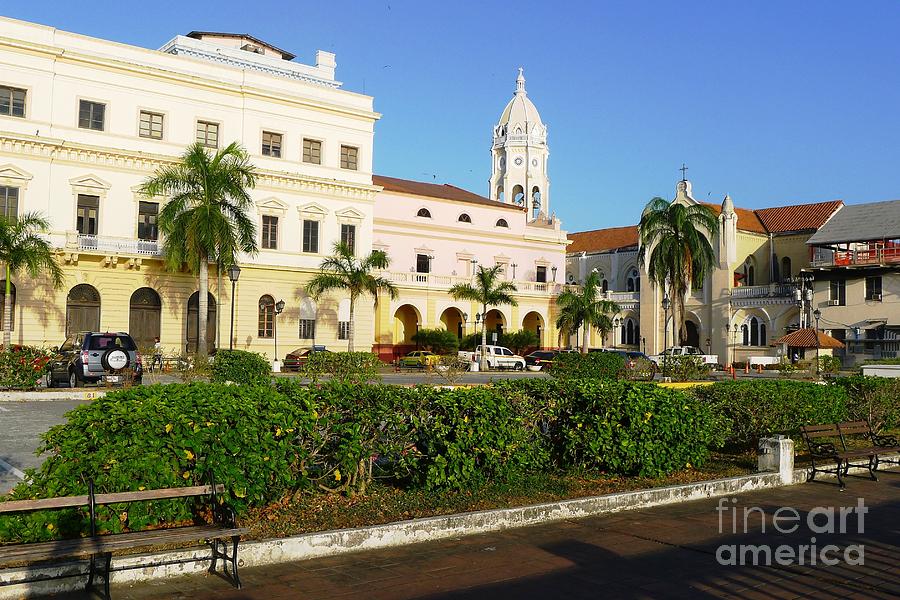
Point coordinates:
pixel 756 408
pixel 829 364
pixel 239 366
pixel 439 341
pixel 471 341
pixel 641 369
pixel 450 368
pixel 875 399
pixel 349 367
pixel 161 437
pixel 593 365
pixel 518 341
pixel 21 367
pixel 685 368
pixel 785 367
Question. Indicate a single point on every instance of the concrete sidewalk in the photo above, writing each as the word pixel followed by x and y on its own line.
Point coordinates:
pixel 664 552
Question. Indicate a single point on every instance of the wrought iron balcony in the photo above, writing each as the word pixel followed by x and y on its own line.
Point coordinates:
pixel 99 243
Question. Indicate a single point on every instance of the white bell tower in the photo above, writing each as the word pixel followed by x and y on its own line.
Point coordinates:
pixel 519 154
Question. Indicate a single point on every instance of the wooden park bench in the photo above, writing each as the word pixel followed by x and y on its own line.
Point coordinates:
pixel 99 548
pixel 866 457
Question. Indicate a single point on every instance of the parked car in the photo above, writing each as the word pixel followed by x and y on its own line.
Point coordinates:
pixel 498 357
pixel 296 360
pixel 92 357
pixel 540 358
pixel 675 351
pixel 419 358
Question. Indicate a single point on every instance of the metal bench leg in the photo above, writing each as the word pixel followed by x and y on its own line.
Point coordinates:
pixel 90 581
pixel 106 573
pixel 214 544
pixel 234 560
pixel 873 465
pixel 840 472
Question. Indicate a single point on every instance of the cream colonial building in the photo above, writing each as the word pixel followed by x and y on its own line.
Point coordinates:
pixel 752 296
pixel 84 121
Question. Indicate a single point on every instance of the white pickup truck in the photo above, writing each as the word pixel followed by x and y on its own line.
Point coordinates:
pixel 498 357
pixel 675 351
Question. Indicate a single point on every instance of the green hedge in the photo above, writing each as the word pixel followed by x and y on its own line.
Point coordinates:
pixel 875 399
pixel 756 408
pixel 239 366
pixel 22 367
pixel 593 365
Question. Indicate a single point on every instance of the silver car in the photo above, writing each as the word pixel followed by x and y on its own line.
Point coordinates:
pixel 91 357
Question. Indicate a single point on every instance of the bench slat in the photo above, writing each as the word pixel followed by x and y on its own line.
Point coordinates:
pixel 817 431
pixel 161 494
pixel 43 503
pixel 110 543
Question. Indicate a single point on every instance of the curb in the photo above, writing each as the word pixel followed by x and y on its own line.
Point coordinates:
pixel 51 396
pixel 66 577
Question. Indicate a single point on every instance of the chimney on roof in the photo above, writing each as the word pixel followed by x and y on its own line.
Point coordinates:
pixel 325 61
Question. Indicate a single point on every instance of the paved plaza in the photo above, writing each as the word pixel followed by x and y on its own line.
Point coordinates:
pixel 662 552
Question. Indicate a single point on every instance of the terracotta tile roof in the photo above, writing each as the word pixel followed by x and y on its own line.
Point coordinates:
pixel 435 190
pixel 600 240
pixel 806 338
pixel 199 35
pixel 800 217
pixel 747 219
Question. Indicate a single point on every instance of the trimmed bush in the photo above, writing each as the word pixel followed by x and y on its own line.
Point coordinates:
pixel 439 341
pixel 757 408
pixel 685 368
pixel 21 367
pixel 593 365
pixel 349 367
pixel 239 366
pixel 875 399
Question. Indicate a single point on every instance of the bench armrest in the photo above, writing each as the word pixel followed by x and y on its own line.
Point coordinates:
pixel 822 449
pixel 885 441
pixel 224 515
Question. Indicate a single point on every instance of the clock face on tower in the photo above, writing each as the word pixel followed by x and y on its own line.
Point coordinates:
pixel 519 161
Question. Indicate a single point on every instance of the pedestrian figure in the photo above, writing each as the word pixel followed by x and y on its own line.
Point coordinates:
pixel 157 356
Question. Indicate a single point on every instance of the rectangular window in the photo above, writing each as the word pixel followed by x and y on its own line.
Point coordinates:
pixel 348 237
pixel 312 151
pixel 86 216
pixel 311 236
pixel 271 144
pixel 349 157
pixel 269 232
pixel 91 115
pixel 266 319
pixel 9 202
pixel 12 101
pixel 208 134
pixel 147 226
pixel 423 263
pixel 541 275
pixel 307 329
pixel 151 125
pixel 873 288
pixel 343 330
pixel 838 292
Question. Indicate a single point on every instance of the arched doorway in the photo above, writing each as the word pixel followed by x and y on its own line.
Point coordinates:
pixel 452 320
pixel 494 323
pixel 692 337
pixel 12 305
pixel 533 321
pixel 406 323
pixel 193 322
pixel 82 309
pixel 144 312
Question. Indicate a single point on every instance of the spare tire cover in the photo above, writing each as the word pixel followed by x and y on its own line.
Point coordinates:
pixel 115 359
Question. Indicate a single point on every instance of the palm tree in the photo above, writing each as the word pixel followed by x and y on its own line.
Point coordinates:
pixel 23 248
pixel 344 271
pixel 681 252
pixel 488 291
pixel 206 218
pixel 585 309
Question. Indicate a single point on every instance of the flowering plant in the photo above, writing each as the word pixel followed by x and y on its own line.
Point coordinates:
pixel 22 367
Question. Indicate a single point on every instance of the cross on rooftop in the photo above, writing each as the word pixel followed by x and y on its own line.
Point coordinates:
pixel 683 169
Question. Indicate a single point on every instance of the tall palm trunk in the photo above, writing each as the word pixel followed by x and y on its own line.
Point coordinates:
pixel 483 362
pixel 350 323
pixel 203 307
pixel 585 335
pixel 7 310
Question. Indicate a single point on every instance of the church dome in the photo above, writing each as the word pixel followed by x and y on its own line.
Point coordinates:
pixel 520 111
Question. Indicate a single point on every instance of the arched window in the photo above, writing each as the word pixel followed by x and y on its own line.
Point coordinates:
pixel 745 334
pixel 633 281
pixel 630 335
pixel 785 268
pixel 754 332
pixel 424 213
pixel 604 286
pixel 762 334
pixel 266 321
pixel 518 196
pixel 500 193
pixel 748 272
pixel 501 223
pixel 12 304
pixel 464 218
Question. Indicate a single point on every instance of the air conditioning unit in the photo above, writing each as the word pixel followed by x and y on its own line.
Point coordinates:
pixel 876 297
pixel 834 302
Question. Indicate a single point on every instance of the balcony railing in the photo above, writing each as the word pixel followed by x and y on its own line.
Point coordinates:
pixel 435 281
pixel 119 245
pixel 841 258
pixel 773 290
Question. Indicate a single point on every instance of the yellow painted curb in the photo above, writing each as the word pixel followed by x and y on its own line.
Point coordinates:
pixel 680 385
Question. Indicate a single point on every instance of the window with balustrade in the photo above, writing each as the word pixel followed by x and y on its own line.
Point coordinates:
pixel 87 214
pixel 148 213
pixel 540 274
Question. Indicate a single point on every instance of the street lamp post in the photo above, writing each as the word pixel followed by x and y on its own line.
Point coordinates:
pixel 817 314
pixel 482 359
pixel 666 303
pixel 279 307
pixel 234 272
pixel 644 344
pixel 615 331
pixel 708 346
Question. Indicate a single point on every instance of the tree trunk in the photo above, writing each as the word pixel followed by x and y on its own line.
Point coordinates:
pixel 585 336
pixel 7 310
pixel 350 323
pixel 203 307
pixel 483 363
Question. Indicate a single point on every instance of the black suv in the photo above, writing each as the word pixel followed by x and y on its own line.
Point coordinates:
pixel 91 357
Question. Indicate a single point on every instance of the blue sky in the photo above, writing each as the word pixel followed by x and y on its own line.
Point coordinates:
pixel 771 102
